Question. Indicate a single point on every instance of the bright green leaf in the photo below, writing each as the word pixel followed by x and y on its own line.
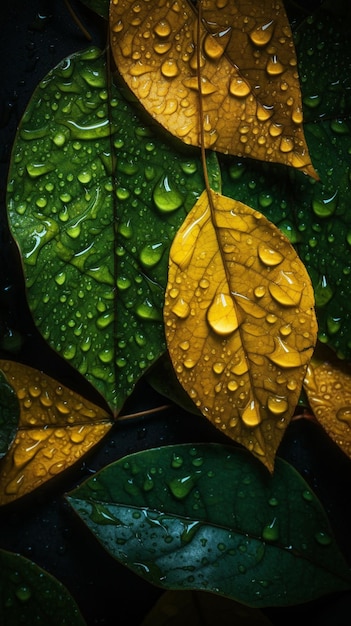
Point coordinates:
pixel 207 517
pixel 31 596
pixel 94 206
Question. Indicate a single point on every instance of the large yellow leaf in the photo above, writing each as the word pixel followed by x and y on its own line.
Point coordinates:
pixel 247 71
pixel 240 322
pixel 56 428
pixel 328 388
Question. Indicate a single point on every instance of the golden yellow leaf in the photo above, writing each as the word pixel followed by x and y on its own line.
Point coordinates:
pixel 56 428
pixel 247 72
pixel 240 321
pixel 328 388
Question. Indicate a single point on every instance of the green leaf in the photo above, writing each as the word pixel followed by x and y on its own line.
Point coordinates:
pixel 314 215
pixel 95 198
pixel 206 517
pixel 9 415
pixel 31 596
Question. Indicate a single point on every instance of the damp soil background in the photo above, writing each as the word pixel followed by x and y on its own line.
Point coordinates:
pixel 34 36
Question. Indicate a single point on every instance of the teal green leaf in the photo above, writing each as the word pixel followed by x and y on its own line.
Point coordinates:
pixel 9 415
pixel 31 596
pixel 314 215
pixel 206 517
pixel 95 197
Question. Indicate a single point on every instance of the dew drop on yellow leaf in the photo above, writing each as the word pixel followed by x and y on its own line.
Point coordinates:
pixel 249 83
pixel 328 388
pixel 240 321
pixel 56 428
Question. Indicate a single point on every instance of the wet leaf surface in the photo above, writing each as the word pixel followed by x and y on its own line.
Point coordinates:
pixel 315 216
pixel 239 319
pixel 93 206
pixel 56 428
pixel 206 517
pixel 328 388
pixel 248 74
pixel 31 596
pixel 196 608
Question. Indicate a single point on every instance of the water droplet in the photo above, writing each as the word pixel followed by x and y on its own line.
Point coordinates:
pixel 344 414
pixel 323 291
pixel 177 461
pixel 277 404
pixel 23 593
pixel 250 416
pixel 259 291
pixel 285 290
pixel 166 196
pixel 271 531
pixel 147 311
pixel 268 255
pixel 162 47
pixel 221 315
pixel 169 68
pixel 286 144
pixel 218 367
pixel 181 309
pixel 323 538
pixel 274 67
pixel 163 28
pixel 239 87
pixel 212 47
pixel 151 254
pixel 181 487
pixel 325 207
pixel 262 35
pixel 285 356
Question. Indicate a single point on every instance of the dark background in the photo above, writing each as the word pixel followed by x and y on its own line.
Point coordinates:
pixel 34 36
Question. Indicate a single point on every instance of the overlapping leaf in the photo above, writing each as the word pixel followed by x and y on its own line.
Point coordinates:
pixel 206 517
pixel 247 71
pixel 31 596
pixel 328 388
pixel 239 320
pixel 95 197
pixel 56 428
pixel 9 413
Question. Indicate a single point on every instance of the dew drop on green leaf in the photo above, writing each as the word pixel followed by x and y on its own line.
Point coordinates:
pixel 166 196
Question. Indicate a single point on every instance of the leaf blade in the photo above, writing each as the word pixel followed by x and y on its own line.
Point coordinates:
pixel 207 510
pixel 250 88
pixel 239 319
pixel 56 428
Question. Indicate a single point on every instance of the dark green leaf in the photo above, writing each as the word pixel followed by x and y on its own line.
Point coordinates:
pixel 9 415
pixel 31 596
pixel 95 198
pixel 207 517
pixel 314 215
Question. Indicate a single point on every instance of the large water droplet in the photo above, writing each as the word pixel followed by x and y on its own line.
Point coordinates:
pixel 250 416
pixel 151 254
pixel 268 255
pixel 239 87
pixel 222 316
pixel 166 196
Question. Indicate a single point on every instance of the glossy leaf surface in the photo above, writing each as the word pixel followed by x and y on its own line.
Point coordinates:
pixel 95 197
pixel 195 608
pixel 239 319
pixel 31 596
pixel 208 517
pixel 248 74
pixel 9 413
pixel 328 388
pixel 315 216
pixel 56 428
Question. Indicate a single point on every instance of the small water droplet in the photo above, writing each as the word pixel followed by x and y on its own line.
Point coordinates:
pixel 163 28
pixel 181 487
pixel 277 404
pixel 268 255
pixel 344 414
pixel 323 538
pixel 166 196
pixel 271 531
pixel 181 308
pixel 23 593
pixel 274 67
pixel 169 68
pixel 262 35
pixel 239 88
pixel 151 254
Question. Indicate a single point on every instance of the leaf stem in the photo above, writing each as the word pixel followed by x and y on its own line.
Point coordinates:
pixel 201 109
pixel 76 19
pixel 157 409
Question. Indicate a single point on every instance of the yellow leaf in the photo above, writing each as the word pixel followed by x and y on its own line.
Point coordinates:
pixel 56 428
pixel 240 321
pixel 247 68
pixel 328 388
